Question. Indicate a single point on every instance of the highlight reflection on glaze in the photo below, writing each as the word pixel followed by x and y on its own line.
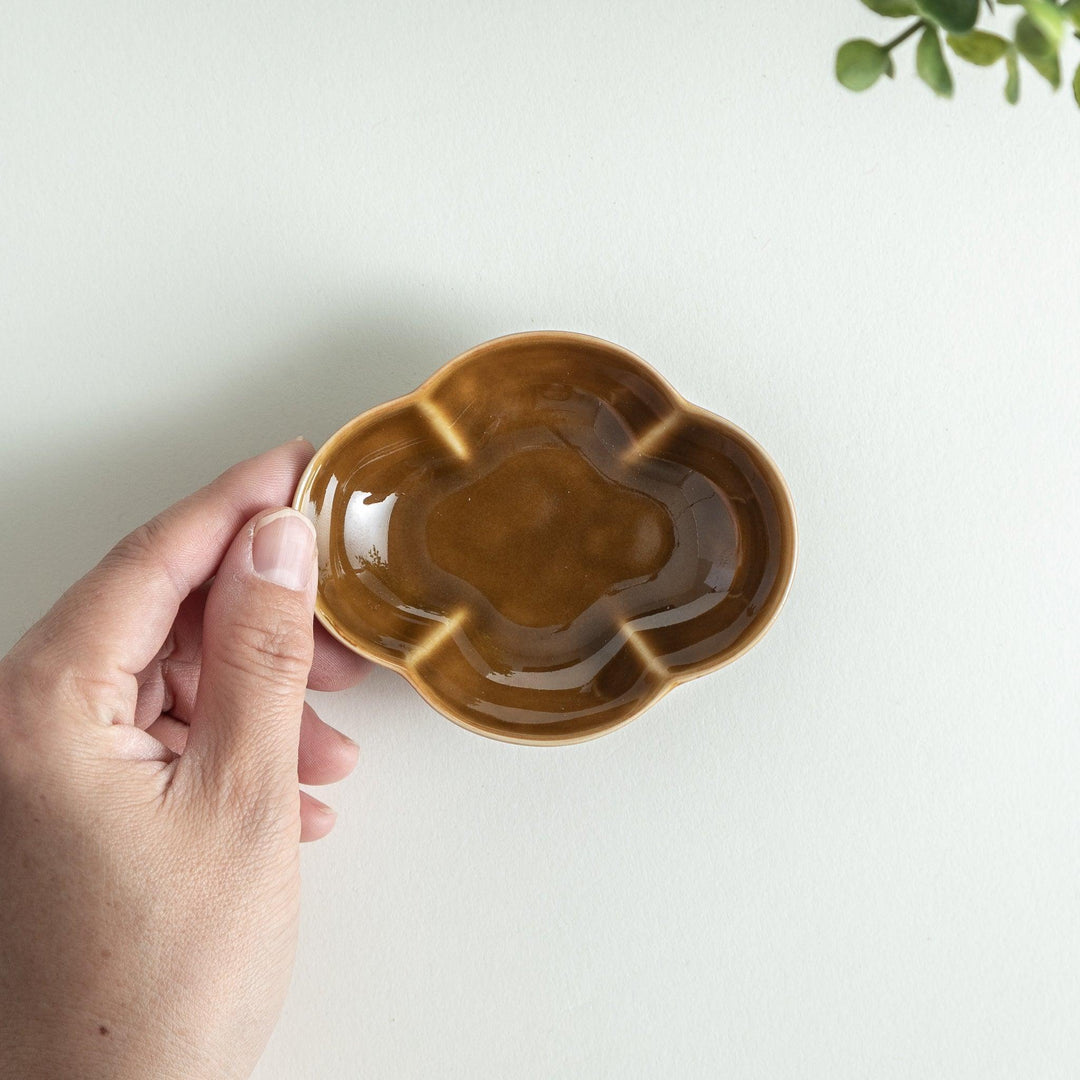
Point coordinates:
pixel 545 538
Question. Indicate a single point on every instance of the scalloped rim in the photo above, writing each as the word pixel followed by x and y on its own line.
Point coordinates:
pixel 785 507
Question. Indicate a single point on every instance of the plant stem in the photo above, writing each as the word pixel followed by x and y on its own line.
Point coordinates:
pixel 917 25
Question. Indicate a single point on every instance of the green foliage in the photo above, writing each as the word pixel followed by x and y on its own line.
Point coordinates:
pixel 1049 67
pixel 1030 39
pixel 956 16
pixel 860 63
pixel 1012 83
pixel 1049 20
pixel 1039 36
pixel 930 63
pixel 1038 50
pixel 978 47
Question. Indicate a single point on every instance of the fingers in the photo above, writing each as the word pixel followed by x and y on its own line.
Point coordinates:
pixel 316 818
pixel 117 617
pixel 335 667
pixel 257 649
pixel 171 681
pixel 170 732
pixel 326 756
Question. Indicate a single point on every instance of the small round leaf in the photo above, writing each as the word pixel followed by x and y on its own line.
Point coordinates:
pixel 1076 86
pixel 860 63
pixel 978 47
pixel 930 63
pixel 956 16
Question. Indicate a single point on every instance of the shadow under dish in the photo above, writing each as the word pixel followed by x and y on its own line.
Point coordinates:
pixel 545 537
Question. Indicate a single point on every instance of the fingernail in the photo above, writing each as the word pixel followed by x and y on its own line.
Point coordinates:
pixel 283 549
pixel 322 808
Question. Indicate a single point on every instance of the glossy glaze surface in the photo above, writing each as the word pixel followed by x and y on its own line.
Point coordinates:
pixel 545 537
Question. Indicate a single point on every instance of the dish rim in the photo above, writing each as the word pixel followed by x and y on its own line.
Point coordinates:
pixel 773 476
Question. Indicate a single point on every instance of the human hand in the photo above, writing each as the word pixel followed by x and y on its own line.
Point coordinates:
pixel 152 734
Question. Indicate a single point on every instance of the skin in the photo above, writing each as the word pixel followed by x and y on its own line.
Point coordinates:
pixel 153 733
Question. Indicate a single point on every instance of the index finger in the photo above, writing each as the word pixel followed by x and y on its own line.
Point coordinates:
pixel 116 618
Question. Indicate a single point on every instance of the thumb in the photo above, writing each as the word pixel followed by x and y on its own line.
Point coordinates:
pixel 257 651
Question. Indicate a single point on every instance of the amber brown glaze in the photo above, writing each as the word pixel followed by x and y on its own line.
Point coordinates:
pixel 545 537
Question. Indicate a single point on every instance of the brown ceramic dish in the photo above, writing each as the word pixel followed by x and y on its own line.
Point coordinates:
pixel 544 538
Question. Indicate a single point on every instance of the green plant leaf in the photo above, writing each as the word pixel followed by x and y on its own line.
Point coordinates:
pixel 1071 10
pixel 894 9
pixel 1030 40
pixel 1012 83
pixel 860 63
pixel 978 47
pixel 1048 18
pixel 1076 86
pixel 1036 50
pixel 930 63
pixel 1048 67
pixel 956 16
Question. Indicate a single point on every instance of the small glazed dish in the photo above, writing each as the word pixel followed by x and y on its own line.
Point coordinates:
pixel 545 537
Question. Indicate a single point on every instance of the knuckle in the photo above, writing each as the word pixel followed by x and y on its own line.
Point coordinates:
pixel 32 696
pixel 12 729
pixel 140 544
pixel 39 701
pixel 42 676
pixel 33 677
pixel 279 653
pixel 143 548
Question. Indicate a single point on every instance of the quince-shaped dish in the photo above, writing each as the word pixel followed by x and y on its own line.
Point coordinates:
pixel 544 538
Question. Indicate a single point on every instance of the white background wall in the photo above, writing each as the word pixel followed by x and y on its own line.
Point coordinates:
pixel 854 853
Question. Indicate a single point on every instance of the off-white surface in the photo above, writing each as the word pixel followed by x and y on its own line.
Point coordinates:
pixel 854 853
